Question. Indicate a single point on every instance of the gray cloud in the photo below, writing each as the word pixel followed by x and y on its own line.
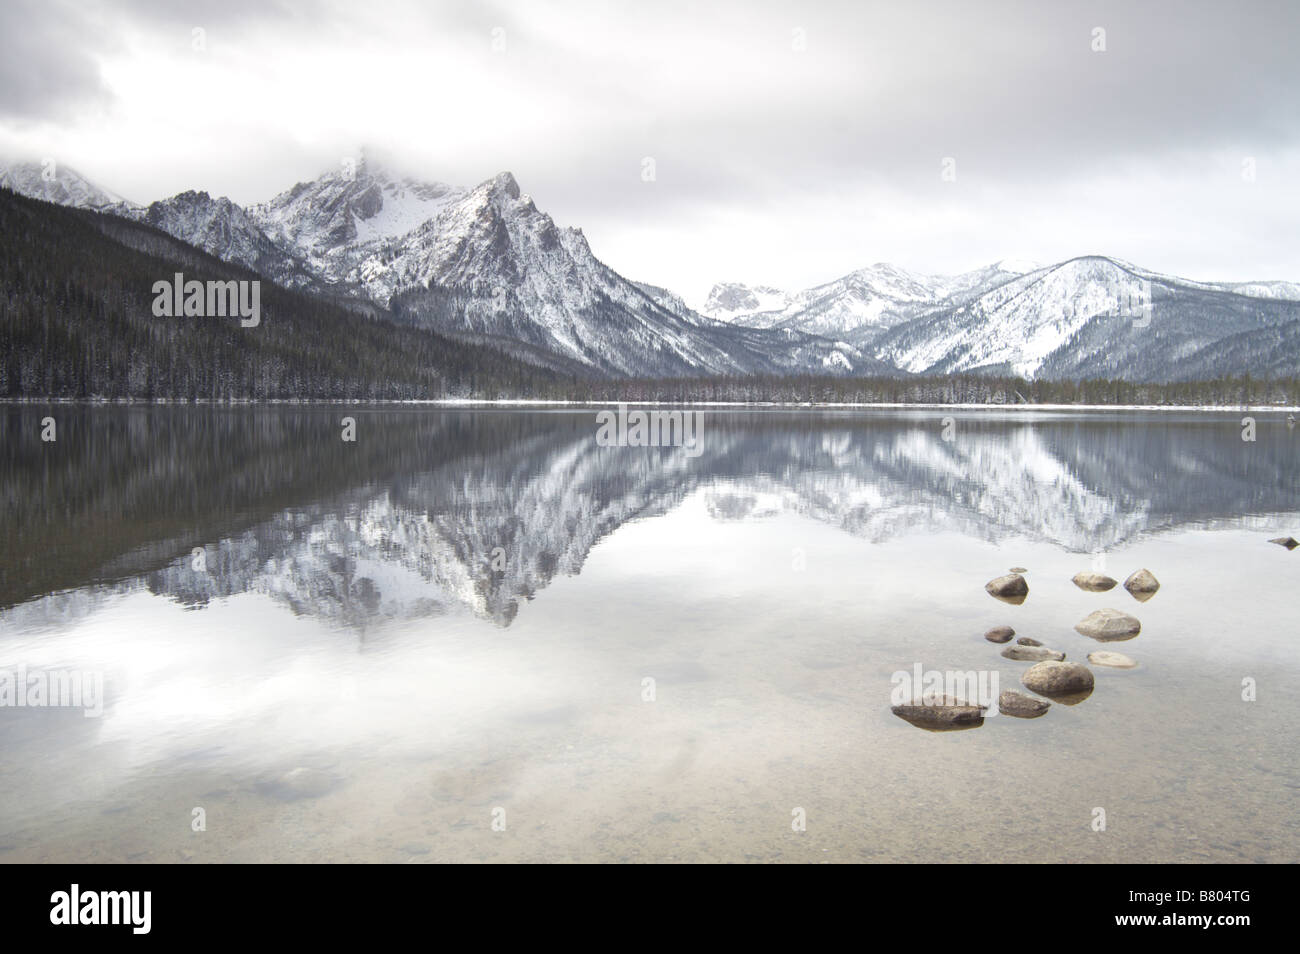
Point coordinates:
pixel 774 162
pixel 48 70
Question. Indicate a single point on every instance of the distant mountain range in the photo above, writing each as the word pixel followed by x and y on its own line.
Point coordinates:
pixel 1086 317
pixel 486 266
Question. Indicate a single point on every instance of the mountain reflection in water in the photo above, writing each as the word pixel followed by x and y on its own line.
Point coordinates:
pixel 481 509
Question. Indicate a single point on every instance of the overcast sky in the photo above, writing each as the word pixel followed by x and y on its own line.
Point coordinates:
pixel 792 142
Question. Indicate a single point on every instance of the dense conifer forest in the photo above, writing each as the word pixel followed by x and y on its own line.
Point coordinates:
pixel 948 389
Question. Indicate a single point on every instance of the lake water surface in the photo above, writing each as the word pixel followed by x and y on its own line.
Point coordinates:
pixel 478 635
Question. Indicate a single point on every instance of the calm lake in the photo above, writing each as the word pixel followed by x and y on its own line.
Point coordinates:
pixel 477 634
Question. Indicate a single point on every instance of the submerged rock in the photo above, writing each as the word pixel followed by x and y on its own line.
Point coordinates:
pixel 1032 653
pixel 1094 582
pixel 1028 641
pixel 940 714
pixel 1011 588
pixel 1058 679
pixel 1021 706
pixel 1018 569
pixel 1000 634
pixel 1109 624
pixel 1114 660
pixel 1289 542
pixel 1142 585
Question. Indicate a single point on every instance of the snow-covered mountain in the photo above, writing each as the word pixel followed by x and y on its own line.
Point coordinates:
pixel 1286 290
pixel 352 207
pixel 858 306
pixel 486 264
pixel 224 229
pixel 61 184
pixel 490 265
pixel 1091 316
pixel 1086 317
pixel 483 263
pixel 349 223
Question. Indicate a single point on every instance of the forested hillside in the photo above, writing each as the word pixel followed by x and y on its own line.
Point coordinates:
pixel 76 321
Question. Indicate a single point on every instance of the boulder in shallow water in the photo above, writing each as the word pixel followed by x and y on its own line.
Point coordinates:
pixel 1018 569
pixel 940 714
pixel 1032 653
pixel 1142 585
pixel 1011 588
pixel 1021 706
pixel 1109 624
pixel 1113 660
pixel 1058 678
pixel 1094 582
pixel 1289 542
pixel 1000 634
pixel 1028 641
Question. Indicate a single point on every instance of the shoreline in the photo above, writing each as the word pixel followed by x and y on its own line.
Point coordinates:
pixel 554 402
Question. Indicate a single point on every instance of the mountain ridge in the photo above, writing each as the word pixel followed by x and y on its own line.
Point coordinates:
pixel 485 264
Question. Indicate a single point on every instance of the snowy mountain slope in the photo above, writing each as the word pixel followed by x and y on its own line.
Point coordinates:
pixel 492 263
pixel 1272 352
pixel 1020 318
pixel 219 226
pixel 60 184
pixel 856 307
pixel 734 303
pixel 671 301
pixel 224 229
pixel 348 215
pixel 1083 317
pixel 1284 290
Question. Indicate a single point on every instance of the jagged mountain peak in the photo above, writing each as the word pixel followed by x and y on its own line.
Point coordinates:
pixel 225 229
pixel 198 197
pixel 354 203
pixel 504 182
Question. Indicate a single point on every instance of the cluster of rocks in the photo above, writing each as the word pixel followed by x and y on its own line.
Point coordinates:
pixel 1071 682
pixel 1051 675
pixel 1142 585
